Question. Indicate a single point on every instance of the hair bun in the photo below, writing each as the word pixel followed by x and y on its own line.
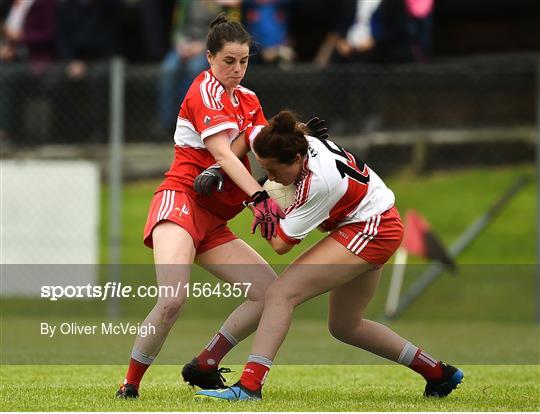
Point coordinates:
pixel 220 18
pixel 284 122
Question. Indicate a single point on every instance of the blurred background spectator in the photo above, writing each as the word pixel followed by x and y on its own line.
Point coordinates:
pixel 375 31
pixel 342 19
pixel 420 20
pixel 4 10
pixel 87 33
pixel 53 52
pixel 187 57
pixel 29 31
pixel 155 27
pixel 381 31
pixel 28 41
pixel 87 37
pixel 310 23
pixel 268 23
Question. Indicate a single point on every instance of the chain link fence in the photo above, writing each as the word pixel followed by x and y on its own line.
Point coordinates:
pixel 400 109
pixel 45 106
pixel 445 114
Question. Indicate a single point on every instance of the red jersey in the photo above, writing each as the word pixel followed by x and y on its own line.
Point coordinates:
pixel 205 111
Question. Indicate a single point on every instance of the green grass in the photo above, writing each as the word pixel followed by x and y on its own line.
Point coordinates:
pixel 481 319
pixel 290 388
pixel 308 342
pixel 451 201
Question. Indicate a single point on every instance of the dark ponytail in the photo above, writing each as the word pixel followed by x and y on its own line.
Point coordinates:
pixel 223 30
pixel 281 139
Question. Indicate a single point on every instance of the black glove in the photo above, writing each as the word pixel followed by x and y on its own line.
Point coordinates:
pixel 317 128
pixel 208 180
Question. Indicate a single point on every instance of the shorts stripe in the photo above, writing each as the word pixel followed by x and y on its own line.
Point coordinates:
pixel 364 234
pixel 352 242
pixel 362 238
pixel 166 207
pixel 359 242
pixel 165 204
pixel 373 233
pixel 375 239
pixel 171 205
pixel 206 229
pixel 162 204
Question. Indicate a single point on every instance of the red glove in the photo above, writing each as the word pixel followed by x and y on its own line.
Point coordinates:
pixel 267 214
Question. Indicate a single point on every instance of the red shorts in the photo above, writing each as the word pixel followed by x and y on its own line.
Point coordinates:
pixel 206 229
pixel 374 240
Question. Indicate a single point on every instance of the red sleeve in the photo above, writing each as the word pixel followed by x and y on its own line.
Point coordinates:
pixel 205 110
pixel 287 239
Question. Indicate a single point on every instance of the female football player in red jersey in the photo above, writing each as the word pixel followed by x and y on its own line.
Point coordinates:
pixel 337 192
pixel 184 226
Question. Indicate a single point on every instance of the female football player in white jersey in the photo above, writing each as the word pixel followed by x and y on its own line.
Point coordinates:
pixel 340 194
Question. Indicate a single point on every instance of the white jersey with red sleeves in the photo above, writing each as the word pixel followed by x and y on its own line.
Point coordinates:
pixel 208 110
pixel 335 189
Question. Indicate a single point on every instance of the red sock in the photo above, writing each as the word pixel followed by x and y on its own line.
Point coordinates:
pixel 135 372
pixel 214 352
pixel 254 375
pixel 426 366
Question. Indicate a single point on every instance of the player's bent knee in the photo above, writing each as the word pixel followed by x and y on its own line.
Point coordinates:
pixel 343 331
pixel 279 292
pixel 339 332
pixel 274 291
pixel 169 308
pixel 259 286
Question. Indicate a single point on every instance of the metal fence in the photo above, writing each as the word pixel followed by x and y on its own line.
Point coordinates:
pixel 431 115
pixel 445 114
pixel 49 107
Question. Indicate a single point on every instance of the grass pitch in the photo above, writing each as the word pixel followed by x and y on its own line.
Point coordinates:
pixel 451 201
pixel 289 388
pixel 480 317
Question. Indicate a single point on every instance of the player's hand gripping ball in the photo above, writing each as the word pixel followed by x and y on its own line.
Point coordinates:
pixel 267 214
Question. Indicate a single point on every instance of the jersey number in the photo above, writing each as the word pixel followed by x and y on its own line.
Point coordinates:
pixel 344 169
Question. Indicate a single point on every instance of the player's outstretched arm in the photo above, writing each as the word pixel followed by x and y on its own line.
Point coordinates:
pixel 219 147
pixel 267 212
pixel 239 147
pixel 211 179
